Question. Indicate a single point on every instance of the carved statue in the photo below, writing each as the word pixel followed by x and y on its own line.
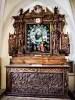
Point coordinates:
pixel 65 44
pixel 56 11
pixel 21 11
pixel 55 42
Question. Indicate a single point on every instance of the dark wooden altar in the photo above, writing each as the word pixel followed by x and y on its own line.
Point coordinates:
pixel 38 47
pixel 37 80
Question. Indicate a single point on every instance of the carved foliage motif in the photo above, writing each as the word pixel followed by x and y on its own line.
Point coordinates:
pixel 38 83
pixel 46 70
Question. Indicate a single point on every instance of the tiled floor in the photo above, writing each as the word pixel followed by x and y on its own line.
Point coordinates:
pixel 28 98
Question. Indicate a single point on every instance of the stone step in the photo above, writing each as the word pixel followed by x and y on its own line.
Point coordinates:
pixel 30 98
pixel 2 92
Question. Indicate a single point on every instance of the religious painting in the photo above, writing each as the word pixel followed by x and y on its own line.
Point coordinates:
pixel 38 37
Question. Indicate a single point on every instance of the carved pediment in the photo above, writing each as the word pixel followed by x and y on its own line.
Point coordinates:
pixel 38 11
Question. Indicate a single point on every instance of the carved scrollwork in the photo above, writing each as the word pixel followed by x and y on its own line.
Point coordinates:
pixel 38 83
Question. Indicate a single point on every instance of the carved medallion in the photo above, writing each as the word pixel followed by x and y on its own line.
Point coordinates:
pixel 37 9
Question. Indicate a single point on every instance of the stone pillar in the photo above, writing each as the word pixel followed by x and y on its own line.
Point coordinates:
pixel 2 5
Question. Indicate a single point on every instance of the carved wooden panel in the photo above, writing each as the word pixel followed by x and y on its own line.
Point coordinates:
pixel 65 43
pixel 47 80
pixel 43 70
pixel 38 83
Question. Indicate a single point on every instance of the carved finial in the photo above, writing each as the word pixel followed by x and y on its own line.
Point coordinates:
pixel 56 11
pixel 21 11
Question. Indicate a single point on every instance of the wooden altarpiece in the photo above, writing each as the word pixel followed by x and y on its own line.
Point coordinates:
pixel 18 44
pixel 38 68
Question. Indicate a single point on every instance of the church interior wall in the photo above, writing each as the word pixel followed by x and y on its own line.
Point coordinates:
pixel 12 8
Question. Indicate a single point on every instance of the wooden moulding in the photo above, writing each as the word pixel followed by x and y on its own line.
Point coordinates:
pixel 38 60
